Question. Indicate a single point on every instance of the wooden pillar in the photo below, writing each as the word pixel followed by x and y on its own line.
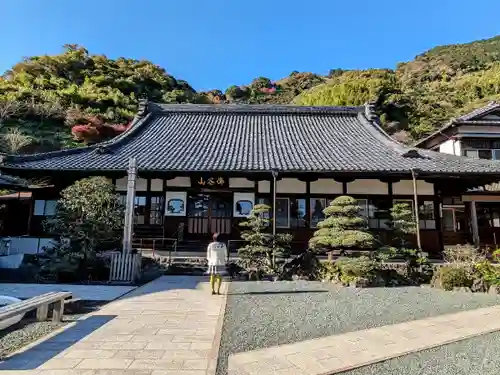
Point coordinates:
pixel 164 209
pixel 271 210
pixel 344 187
pixel 415 206
pixel 390 191
pixel 273 200
pixel 308 204
pixel 437 215
pixel 473 219
pixel 148 201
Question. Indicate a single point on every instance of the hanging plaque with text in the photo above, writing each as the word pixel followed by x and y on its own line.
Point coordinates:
pixel 210 182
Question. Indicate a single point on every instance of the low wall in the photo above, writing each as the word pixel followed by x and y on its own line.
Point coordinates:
pixel 11 261
pixel 28 245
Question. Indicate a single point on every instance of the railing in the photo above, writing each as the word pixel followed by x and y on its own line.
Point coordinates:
pixel 232 247
pixel 142 243
pixel 179 233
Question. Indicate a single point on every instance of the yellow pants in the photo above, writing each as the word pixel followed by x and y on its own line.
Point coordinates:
pixel 215 279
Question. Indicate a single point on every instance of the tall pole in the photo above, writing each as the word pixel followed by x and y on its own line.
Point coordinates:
pixel 415 205
pixel 275 175
pixel 130 205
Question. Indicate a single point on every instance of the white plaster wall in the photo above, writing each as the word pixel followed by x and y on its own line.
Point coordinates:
pixel 405 187
pixel 324 186
pixel 140 185
pixel 291 185
pixel 29 245
pixel 450 146
pixel 179 182
pixel 264 187
pixel 11 261
pixel 240 182
pixel 366 187
pixel 156 184
pixel 121 184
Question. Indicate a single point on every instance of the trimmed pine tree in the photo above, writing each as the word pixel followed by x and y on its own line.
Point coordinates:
pixel 263 252
pixel 343 228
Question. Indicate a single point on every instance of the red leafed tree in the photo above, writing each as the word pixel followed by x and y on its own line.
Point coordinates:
pixel 92 129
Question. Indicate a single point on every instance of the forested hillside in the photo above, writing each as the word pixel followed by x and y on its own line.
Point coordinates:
pixel 52 102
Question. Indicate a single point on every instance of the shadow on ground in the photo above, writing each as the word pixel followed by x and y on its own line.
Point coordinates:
pixel 44 351
pixel 48 349
pixel 165 284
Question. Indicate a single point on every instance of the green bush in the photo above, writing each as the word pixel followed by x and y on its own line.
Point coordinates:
pixel 450 277
pixel 488 272
pixel 329 271
pixel 356 268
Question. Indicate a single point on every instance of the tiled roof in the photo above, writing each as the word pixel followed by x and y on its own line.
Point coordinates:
pixel 9 181
pixel 253 138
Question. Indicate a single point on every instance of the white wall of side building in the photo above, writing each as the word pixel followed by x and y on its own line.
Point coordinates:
pixel 451 146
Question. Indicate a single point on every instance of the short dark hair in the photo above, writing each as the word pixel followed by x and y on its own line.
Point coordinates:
pixel 215 237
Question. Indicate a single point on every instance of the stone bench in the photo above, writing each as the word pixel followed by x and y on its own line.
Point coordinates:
pixel 39 303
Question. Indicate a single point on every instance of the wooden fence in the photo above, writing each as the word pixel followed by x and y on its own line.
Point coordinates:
pixel 125 267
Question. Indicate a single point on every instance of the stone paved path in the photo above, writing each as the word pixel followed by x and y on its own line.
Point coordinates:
pixel 169 326
pixel 334 354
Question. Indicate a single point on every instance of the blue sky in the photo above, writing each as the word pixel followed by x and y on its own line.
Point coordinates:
pixel 214 44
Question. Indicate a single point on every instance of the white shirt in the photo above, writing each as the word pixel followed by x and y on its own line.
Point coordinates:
pixel 216 254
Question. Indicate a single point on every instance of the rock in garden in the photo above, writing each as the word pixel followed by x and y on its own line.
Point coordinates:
pixel 494 289
pixel 478 285
pixel 462 289
pixel 379 281
pixel 359 283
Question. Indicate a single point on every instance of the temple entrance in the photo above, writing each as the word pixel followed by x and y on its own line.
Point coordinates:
pixel 148 210
pixel 208 213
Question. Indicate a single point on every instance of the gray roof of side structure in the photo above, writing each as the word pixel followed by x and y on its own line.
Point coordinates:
pixel 253 138
pixel 471 118
pixel 13 182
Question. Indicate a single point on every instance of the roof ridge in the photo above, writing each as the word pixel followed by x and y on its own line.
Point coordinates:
pixel 374 127
pixel 250 108
pixel 479 111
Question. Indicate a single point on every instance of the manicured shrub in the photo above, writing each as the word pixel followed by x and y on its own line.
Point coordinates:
pixel 352 269
pixel 343 228
pixel 488 272
pixel 450 277
pixel 329 271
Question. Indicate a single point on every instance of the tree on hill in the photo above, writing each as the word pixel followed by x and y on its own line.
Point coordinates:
pixel 412 100
pixel 48 89
pixel 343 227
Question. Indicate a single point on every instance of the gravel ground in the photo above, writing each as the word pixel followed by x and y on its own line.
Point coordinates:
pixel 23 333
pixel 29 330
pixel 264 314
pixel 477 356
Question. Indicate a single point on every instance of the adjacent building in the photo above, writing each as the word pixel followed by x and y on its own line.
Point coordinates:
pixel 203 167
pixel 475 135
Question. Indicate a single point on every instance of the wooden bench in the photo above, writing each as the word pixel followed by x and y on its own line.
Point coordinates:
pixel 41 303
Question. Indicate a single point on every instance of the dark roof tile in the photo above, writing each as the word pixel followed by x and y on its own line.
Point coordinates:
pixel 253 138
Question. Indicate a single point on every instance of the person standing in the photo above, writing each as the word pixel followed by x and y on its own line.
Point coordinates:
pixel 216 256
